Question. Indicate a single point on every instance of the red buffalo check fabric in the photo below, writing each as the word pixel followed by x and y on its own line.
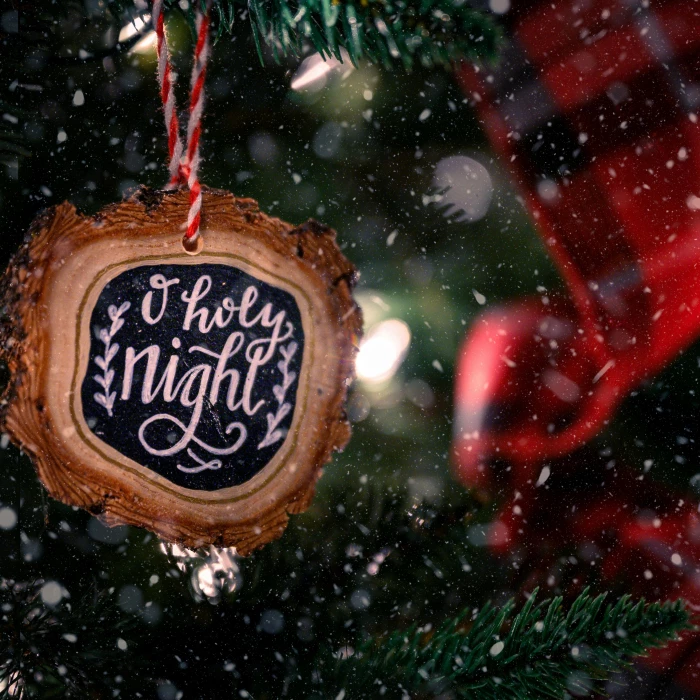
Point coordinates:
pixel 595 108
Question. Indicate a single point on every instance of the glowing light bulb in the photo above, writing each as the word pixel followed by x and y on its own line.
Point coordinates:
pixel 146 43
pixel 313 73
pixel 382 351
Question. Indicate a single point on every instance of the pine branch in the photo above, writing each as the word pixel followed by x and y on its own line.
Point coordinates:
pixel 542 652
pixel 61 650
pixel 404 32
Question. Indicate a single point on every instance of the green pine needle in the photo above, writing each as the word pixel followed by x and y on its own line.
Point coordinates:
pixel 61 651
pixel 391 32
pixel 541 652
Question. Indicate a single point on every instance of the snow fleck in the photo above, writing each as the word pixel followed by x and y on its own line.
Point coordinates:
pixel 296 177
pixel 130 598
pixel 480 298
pixel 561 386
pixel 121 644
pixel 497 648
pixel 499 7
pixel 166 689
pixel 548 190
pixel 272 621
pixel 693 202
pixel 682 154
pixel 360 599
pixel 438 366
pixel 648 575
pixel 392 237
pixel 45 191
pixel 676 559
pixel 601 373
pixel 340 695
pixel 51 593
pixel 8 518
pixel 79 98
pixel 328 140
pixel 70 638
pixel 466 188
pixel 61 136
pixel 375 299
pixel 544 475
pixel 424 115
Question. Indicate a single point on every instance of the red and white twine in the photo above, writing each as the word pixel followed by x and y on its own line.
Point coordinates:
pixel 184 163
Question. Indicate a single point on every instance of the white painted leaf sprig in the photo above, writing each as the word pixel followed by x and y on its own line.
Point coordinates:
pixel 280 392
pixel 106 399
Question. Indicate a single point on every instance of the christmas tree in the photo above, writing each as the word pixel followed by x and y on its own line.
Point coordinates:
pixel 398 581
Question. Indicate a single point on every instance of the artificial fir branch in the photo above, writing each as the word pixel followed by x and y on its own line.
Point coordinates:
pixel 390 32
pixel 382 538
pixel 431 32
pixel 378 540
pixel 62 650
pixel 541 652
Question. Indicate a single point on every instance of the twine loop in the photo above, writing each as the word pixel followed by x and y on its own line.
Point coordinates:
pixel 183 163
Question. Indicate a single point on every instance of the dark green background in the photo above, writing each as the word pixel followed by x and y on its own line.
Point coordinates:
pixel 365 175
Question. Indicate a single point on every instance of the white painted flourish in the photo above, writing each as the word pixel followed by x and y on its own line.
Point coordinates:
pixel 106 399
pixel 280 392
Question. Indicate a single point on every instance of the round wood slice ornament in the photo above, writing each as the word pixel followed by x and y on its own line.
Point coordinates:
pixel 196 395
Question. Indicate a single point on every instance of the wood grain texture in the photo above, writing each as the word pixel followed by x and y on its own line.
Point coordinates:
pixel 58 274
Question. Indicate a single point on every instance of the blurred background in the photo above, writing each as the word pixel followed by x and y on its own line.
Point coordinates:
pixel 367 152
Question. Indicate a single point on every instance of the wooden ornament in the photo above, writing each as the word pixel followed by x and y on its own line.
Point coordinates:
pixel 194 393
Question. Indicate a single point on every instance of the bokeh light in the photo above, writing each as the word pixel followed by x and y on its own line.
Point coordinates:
pixel 382 351
pixel 466 186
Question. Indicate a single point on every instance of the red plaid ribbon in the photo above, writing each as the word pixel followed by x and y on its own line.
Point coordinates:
pixel 596 112
pixel 595 107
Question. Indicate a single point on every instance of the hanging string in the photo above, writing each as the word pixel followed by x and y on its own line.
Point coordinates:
pixel 184 163
pixel 167 94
